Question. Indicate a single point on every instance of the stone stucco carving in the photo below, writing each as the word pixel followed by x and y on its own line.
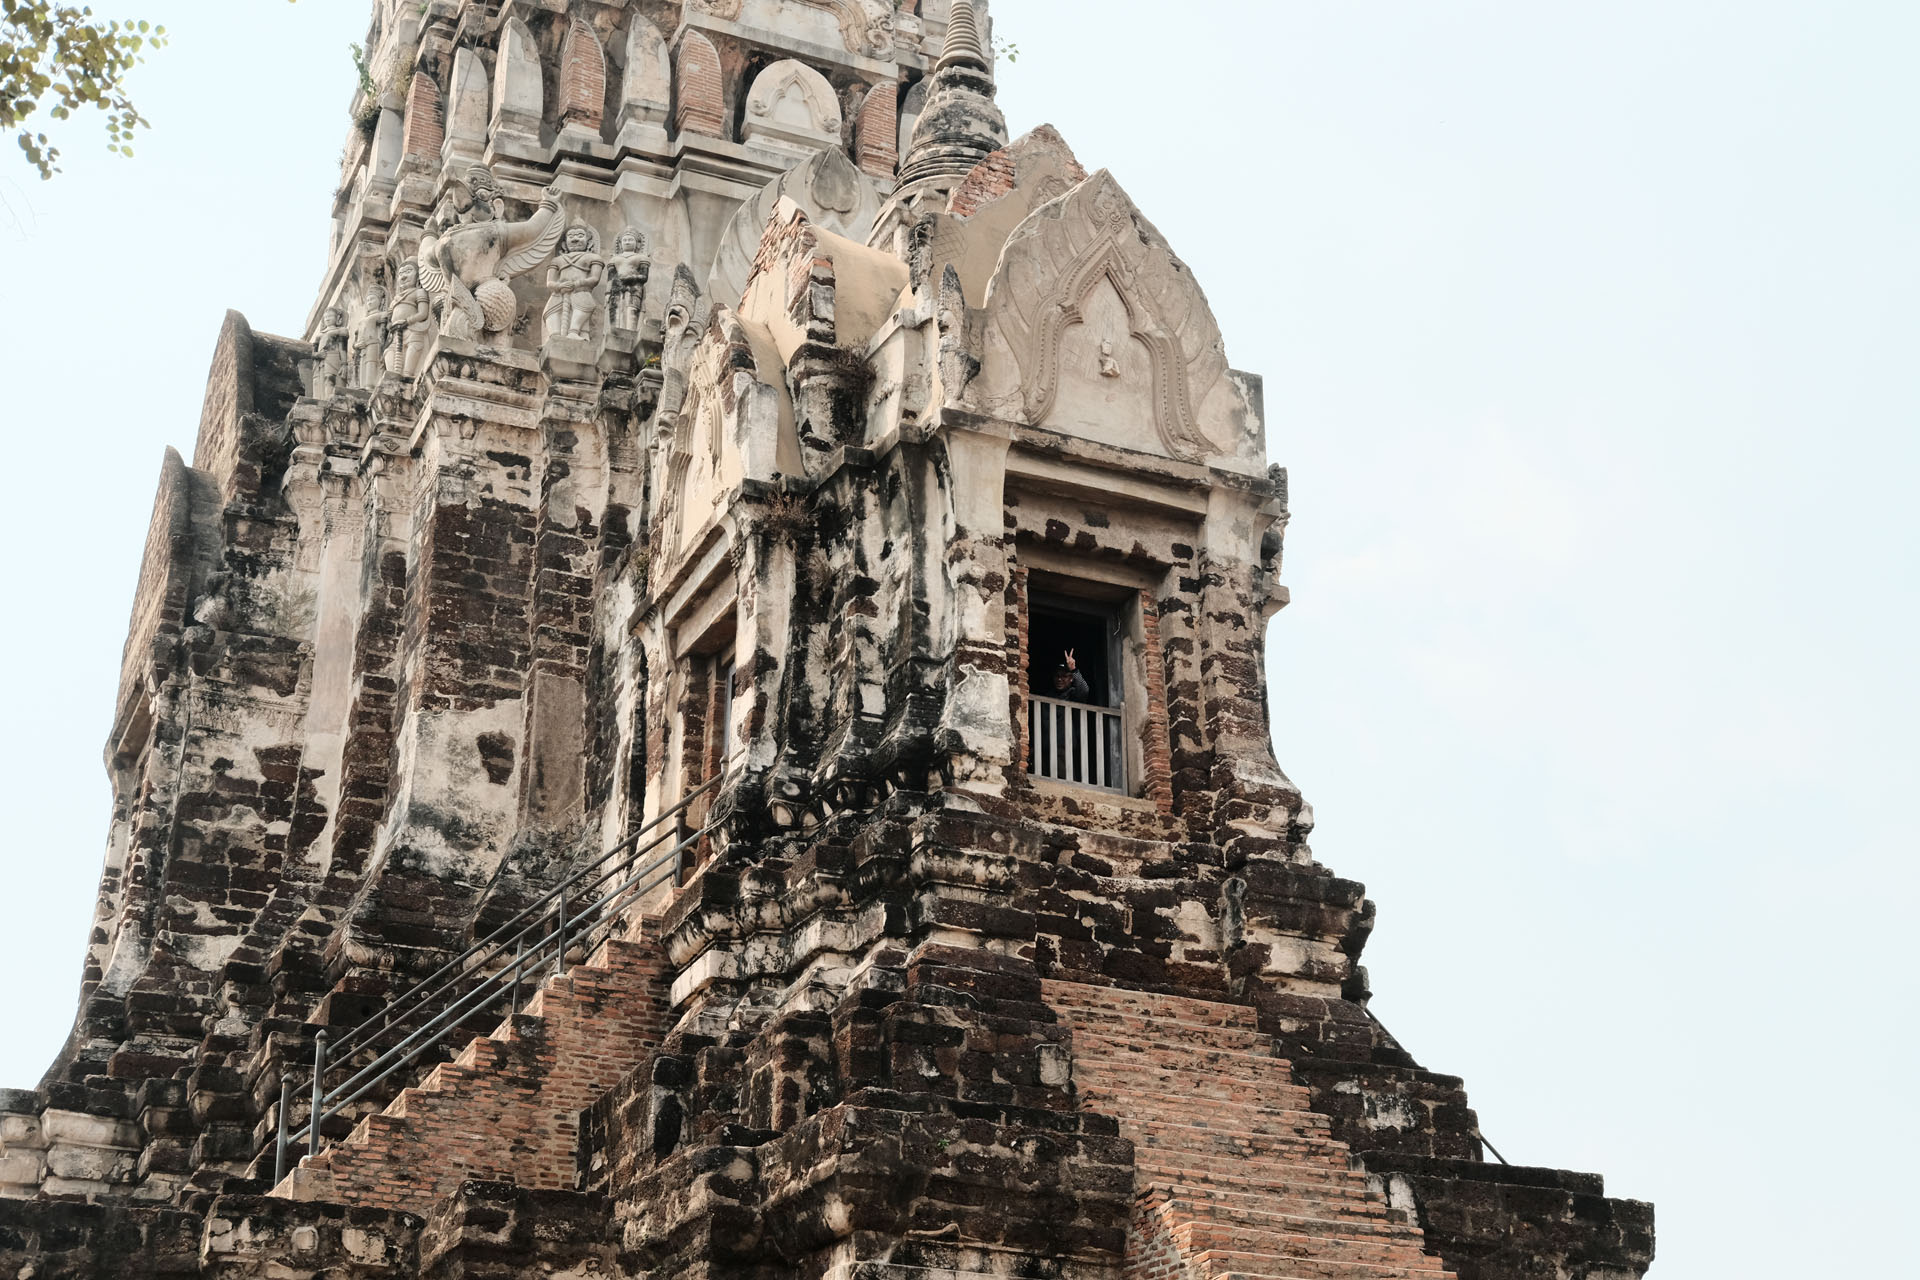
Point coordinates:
pixel 1051 264
pixel 791 106
pixel 827 188
pixel 576 272
pixel 370 339
pixel 330 354
pixel 627 272
pixel 468 265
pixel 409 322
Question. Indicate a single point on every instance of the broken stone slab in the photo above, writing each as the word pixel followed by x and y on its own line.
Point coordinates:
pixel 78 1129
pixel 21 1172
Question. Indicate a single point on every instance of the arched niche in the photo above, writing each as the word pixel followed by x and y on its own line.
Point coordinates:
pixel 791 107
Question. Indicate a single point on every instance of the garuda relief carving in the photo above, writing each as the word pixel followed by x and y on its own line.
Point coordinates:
pixel 1055 260
pixel 467 258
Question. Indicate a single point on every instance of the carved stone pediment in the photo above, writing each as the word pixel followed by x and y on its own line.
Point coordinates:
pixel 726 400
pixel 827 187
pixel 791 107
pixel 1089 258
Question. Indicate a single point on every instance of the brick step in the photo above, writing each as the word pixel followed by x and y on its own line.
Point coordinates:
pixel 1259 1211
pixel 1264 1199
pixel 1223 1263
pixel 1288 1148
pixel 1174 1032
pixel 1199 1236
pixel 1319 1183
pixel 507 1106
pixel 1237 1173
pixel 1102 1001
pixel 1253 1078
pixel 1102 1090
pixel 1104 1044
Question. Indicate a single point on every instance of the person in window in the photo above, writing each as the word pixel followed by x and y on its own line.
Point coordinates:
pixel 1068 683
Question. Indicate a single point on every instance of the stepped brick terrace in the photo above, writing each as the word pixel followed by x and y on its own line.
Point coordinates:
pixel 707 718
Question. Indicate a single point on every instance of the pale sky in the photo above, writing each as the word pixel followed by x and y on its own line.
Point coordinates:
pixel 1589 335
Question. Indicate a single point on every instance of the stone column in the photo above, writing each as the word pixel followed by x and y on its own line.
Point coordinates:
pixel 571 505
pixel 975 733
pixel 465 647
pixel 1253 804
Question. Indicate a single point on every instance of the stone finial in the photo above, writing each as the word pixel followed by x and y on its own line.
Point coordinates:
pixel 960 125
pixel 962 45
pixel 518 95
pixel 468 103
pixel 646 88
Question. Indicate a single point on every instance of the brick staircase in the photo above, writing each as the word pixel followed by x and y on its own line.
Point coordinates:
pixel 507 1107
pixel 1235 1177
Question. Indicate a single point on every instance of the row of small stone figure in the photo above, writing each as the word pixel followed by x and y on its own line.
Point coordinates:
pixel 394 338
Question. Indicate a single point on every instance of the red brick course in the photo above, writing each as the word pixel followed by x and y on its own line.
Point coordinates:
pixel 426 128
pixel 699 98
pixel 583 77
pixel 876 131
pixel 989 180
pixel 1234 1174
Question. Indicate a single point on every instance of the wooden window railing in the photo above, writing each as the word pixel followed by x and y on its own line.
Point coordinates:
pixel 1076 743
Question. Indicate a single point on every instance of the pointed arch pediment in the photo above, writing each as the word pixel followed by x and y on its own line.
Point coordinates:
pixel 1091 249
pixel 828 188
pixel 735 423
pixel 790 106
pixel 699 468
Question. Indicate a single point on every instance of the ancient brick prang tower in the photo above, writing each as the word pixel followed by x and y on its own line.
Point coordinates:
pixel 714 434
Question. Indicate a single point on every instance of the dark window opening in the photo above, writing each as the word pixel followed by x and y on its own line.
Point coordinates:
pixel 1076 717
pixel 1052 634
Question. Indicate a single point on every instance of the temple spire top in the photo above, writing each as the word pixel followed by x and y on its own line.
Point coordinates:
pixel 963 45
pixel 961 125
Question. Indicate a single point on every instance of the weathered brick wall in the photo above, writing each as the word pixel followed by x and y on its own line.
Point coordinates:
pixel 876 135
pixel 864 1069
pixel 923 1121
pixel 426 126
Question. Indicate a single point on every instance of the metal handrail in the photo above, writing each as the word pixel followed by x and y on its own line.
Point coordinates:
pixel 562 934
pixel 463 963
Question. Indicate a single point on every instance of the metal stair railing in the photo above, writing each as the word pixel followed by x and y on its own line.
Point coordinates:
pixel 479 977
